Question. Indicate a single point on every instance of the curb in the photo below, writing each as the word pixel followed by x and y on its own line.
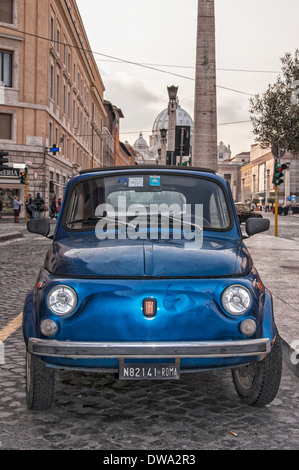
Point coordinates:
pixel 11 236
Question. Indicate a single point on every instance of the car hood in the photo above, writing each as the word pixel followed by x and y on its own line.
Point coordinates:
pixel 86 256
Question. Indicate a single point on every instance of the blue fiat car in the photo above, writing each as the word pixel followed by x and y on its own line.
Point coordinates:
pixel 148 277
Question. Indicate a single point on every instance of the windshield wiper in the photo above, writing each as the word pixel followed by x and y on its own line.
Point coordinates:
pixel 168 216
pixel 130 224
pixel 191 224
pixel 90 219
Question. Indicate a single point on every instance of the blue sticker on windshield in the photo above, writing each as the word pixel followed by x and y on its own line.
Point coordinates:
pixel 122 180
pixel 154 181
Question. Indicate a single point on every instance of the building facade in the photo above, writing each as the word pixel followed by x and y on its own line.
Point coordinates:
pixel 51 96
pixel 257 177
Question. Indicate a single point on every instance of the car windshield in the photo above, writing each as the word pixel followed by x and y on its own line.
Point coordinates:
pixel 122 198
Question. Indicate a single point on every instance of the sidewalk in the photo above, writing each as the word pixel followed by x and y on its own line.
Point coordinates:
pixel 277 261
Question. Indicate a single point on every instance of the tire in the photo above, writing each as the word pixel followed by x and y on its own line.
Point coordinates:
pixel 40 382
pixel 257 384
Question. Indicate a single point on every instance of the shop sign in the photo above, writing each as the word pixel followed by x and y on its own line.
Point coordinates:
pixel 10 173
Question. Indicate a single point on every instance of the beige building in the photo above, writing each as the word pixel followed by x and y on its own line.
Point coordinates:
pixel 51 95
pixel 257 177
pixel 230 168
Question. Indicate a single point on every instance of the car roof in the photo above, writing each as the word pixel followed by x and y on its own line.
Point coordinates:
pixel 146 167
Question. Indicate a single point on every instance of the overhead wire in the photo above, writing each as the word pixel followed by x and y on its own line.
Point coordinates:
pixel 151 131
pixel 123 60
pixel 193 67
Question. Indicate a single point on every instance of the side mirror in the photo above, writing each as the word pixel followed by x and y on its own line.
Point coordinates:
pixel 256 226
pixel 40 226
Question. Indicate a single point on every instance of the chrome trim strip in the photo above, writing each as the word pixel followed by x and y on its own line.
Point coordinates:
pixel 141 350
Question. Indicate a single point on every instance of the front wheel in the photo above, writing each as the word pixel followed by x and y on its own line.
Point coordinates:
pixel 40 381
pixel 257 384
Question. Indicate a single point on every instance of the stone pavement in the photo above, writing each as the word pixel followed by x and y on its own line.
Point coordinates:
pixel 277 261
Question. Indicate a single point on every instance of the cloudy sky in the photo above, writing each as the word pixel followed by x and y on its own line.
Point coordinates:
pixel 251 37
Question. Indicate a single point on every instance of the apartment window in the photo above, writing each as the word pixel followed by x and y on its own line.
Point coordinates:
pixel 5 126
pixel 57 89
pixel 51 82
pixel 64 99
pixel 58 42
pixel 56 136
pixel 6 68
pixel 50 133
pixel 6 11
pixel 69 105
pixel 62 144
pixel 52 29
pixel 74 112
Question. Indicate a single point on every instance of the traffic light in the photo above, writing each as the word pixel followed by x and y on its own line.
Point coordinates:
pixel 23 175
pixel 3 160
pixel 278 173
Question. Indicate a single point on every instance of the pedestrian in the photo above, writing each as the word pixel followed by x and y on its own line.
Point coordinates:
pixel 58 207
pixel 53 208
pixel 16 205
pixel 29 208
pixel 39 206
pixel 1 207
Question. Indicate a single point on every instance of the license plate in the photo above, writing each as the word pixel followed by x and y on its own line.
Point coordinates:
pixel 149 371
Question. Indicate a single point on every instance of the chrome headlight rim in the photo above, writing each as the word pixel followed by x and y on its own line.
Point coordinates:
pixel 247 299
pixel 69 307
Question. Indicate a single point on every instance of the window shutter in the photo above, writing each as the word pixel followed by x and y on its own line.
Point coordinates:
pixel 5 126
pixel 6 11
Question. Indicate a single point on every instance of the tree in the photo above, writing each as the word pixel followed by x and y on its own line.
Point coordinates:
pixel 275 113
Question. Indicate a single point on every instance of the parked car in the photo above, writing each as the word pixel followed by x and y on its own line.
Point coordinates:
pixel 244 212
pixel 148 276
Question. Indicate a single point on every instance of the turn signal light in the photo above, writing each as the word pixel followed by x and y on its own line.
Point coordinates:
pixel 149 307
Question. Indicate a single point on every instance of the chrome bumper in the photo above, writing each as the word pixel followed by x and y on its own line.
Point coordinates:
pixel 142 350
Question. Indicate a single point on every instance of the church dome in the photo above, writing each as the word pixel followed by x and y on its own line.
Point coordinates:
pixel 182 119
pixel 140 143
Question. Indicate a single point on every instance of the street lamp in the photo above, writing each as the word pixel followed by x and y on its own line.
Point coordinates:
pixel 172 106
pixel 163 133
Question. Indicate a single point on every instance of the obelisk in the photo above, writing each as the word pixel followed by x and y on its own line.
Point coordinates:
pixel 204 152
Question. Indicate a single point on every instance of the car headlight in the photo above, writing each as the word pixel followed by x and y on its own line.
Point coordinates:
pixel 236 299
pixel 62 300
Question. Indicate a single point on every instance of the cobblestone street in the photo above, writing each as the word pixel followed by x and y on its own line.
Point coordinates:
pixel 91 411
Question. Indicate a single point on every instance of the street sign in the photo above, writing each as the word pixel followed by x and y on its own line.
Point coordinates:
pixel 19 165
pixel 293 198
pixel 35 175
pixel 277 151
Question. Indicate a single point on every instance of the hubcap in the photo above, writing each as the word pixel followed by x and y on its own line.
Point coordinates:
pixel 246 375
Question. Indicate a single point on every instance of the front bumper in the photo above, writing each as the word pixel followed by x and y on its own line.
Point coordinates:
pixel 143 350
